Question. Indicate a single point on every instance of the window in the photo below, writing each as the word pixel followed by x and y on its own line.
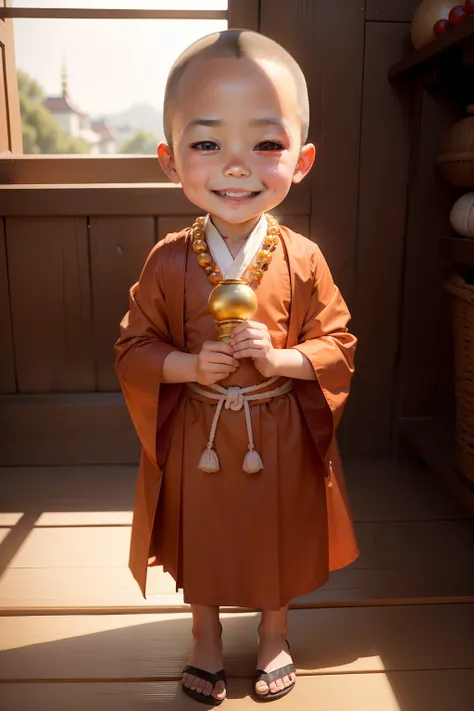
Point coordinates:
pixel 90 82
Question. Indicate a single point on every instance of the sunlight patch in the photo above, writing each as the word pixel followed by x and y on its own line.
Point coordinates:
pixel 84 518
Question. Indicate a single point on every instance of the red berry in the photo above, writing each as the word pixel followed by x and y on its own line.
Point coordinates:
pixel 458 14
pixel 469 7
pixel 441 27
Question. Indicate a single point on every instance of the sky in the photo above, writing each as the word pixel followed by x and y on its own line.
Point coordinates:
pixel 111 64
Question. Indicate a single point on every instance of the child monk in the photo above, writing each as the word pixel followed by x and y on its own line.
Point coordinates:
pixel 240 495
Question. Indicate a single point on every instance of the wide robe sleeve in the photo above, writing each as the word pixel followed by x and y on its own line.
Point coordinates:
pixel 145 342
pixel 320 332
pixel 325 340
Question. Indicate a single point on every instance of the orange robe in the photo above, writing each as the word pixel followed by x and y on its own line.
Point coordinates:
pixel 231 538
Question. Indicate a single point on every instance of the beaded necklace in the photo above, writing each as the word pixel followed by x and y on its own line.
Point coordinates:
pixel 262 260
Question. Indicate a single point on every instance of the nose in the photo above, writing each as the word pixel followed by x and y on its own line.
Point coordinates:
pixel 236 167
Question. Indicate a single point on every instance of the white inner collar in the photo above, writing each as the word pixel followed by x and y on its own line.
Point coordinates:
pixel 231 268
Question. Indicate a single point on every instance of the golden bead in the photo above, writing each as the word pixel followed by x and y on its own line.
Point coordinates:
pixel 270 246
pixel 273 230
pixel 256 274
pixel 214 278
pixel 200 246
pixel 200 220
pixel 209 269
pixel 204 259
pixel 264 256
pixel 198 233
pixel 268 243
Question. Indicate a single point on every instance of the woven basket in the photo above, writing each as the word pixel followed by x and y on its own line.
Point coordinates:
pixel 462 298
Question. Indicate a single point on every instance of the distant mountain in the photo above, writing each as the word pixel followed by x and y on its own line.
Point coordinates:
pixel 140 116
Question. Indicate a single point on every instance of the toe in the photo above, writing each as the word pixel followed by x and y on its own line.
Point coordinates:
pixel 187 680
pixel 219 691
pixel 206 688
pixel 194 683
pixel 261 687
pixel 200 687
pixel 286 681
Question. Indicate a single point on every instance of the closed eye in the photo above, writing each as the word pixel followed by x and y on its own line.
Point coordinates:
pixel 269 146
pixel 205 146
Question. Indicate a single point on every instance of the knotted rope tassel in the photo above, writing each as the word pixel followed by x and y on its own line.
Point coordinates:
pixel 234 398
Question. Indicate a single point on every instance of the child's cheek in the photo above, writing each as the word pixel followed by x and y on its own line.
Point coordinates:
pixel 197 172
pixel 277 175
pixel 190 179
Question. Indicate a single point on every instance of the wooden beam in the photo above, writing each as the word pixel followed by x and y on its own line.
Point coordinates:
pixel 53 169
pixel 457 38
pixel 10 122
pixel 108 14
pixel 119 199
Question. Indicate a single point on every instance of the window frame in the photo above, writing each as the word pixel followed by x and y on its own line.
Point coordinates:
pixel 19 169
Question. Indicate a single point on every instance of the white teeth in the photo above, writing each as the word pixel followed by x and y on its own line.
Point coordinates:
pixel 229 194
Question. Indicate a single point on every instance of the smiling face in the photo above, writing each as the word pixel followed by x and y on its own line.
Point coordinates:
pixel 236 132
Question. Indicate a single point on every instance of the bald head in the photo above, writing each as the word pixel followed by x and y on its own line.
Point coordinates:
pixel 235 44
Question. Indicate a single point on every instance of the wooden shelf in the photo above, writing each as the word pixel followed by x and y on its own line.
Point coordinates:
pixel 456 39
pixel 458 250
pixel 432 440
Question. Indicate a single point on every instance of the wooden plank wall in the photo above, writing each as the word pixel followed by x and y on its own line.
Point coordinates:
pixel 7 356
pixel 383 170
pixel 119 247
pixel 426 387
pixel 359 181
pixel 48 266
pixel 353 205
pixel 390 10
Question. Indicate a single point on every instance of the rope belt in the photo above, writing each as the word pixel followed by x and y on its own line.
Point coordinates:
pixel 234 398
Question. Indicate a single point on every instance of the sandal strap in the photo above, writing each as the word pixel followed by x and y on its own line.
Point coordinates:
pixel 207 676
pixel 268 677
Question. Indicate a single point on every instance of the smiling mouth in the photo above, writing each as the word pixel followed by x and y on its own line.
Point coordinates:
pixel 236 194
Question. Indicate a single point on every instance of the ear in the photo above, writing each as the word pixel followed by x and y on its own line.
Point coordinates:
pixel 165 156
pixel 305 162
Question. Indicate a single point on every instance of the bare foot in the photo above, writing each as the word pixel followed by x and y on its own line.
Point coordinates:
pixel 273 653
pixel 206 654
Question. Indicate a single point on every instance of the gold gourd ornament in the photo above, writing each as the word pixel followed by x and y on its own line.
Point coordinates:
pixel 233 301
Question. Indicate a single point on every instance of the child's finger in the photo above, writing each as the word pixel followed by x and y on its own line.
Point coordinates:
pixel 221 368
pixel 221 358
pixel 217 347
pixel 249 324
pixel 246 335
pixel 255 342
pixel 255 353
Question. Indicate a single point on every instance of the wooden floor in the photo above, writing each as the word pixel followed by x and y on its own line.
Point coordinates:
pixel 393 632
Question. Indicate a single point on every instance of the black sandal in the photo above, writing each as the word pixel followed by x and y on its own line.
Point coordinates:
pixel 268 677
pixel 207 676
